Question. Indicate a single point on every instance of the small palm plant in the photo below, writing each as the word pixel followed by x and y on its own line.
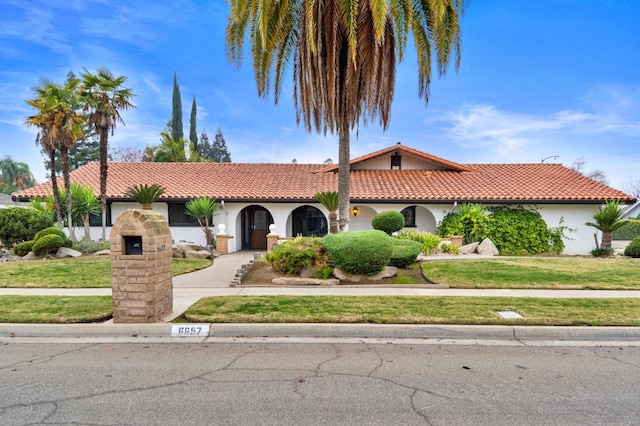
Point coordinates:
pixel 145 194
pixel 203 209
pixel 330 201
pixel 608 219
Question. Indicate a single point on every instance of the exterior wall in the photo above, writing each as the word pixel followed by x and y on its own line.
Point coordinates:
pixel 572 216
pixel 408 162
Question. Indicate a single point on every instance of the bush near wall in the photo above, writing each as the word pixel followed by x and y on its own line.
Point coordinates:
pixel 429 241
pixel 405 252
pixel 628 231
pixel 518 231
pixel 21 224
pixel 293 256
pixel 359 252
pixel 633 249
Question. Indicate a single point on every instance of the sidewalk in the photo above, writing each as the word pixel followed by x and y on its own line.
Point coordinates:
pixel 215 281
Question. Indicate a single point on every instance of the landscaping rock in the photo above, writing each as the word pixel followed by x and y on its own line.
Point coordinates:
pixel 178 252
pixel 307 272
pixel 106 252
pixel 487 247
pixel 304 281
pixel 30 256
pixel 188 247
pixel 197 254
pixel 67 252
pixel 387 272
pixel 469 248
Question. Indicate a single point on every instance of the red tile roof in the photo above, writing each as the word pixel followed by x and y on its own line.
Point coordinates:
pixel 290 182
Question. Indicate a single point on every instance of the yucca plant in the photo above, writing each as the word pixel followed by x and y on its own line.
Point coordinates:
pixel 145 194
pixel 330 201
pixel 203 209
pixel 608 219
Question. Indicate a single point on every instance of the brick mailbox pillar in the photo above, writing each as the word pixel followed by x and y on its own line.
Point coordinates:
pixel 141 269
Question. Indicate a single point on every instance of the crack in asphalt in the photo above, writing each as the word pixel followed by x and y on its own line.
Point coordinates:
pixel 44 359
pixel 613 358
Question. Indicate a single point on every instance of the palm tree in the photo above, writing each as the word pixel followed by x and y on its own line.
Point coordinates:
pixel 15 175
pixel 608 219
pixel 169 150
pixel 203 209
pixel 330 202
pixel 145 194
pixel 105 96
pixel 344 56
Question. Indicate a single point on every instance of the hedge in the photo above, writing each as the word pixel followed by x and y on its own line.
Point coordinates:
pixel 359 252
pixel 21 224
pixel 405 252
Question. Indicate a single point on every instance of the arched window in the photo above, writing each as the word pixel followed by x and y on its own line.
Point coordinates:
pixel 309 222
pixel 409 217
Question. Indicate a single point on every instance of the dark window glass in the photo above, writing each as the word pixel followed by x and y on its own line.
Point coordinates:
pixel 179 217
pixel 96 219
pixel 409 217
pixel 309 222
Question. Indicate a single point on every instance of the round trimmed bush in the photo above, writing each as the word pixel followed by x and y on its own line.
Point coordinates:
pixel 22 249
pixel 47 244
pixel 633 249
pixel 21 224
pixel 405 252
pixel 389 221
pixel 54 230
pixel 359 252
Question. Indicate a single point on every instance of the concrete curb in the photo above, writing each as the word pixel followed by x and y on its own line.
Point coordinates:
pixel 391 331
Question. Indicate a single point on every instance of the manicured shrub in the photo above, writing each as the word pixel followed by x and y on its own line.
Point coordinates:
pixel 54 230
pixel 359 252
pixel 516 231
pixel 21 224
pixel 429 241
pixel 388 221
pixel 294 255
pixel 627 232
pixel 22 249
pixel 405 252
pixel 633 249
pixel 47 244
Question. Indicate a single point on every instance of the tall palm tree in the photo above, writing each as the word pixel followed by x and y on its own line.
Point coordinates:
pixel 607 220
pixel 169 150
pixel 60 126
pixel 105 96
pixel 15 175
pixel 344 56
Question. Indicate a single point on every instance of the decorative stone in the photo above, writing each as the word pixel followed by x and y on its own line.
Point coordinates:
pixel 304 281
pixel 469 248
pixel 67 252
pixel 30 256
pixel 187 246
pixel 387 272
pixel 106 252
pixel 197 254
pixel 487 248
pixel 177 252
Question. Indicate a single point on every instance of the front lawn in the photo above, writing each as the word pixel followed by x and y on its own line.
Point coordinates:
pixel 55 309
pixel 414 310
pixel 574 273
pixel 79 272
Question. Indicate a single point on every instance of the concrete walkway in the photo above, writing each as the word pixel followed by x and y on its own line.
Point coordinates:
pixel 215 281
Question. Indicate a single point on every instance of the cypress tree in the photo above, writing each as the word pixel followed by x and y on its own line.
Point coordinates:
pixel 193 135
pixel 176 114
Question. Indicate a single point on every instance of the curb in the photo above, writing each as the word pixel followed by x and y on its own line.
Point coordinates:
pixel 391 331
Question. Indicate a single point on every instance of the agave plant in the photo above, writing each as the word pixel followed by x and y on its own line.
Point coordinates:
pixel 145 194
pixel 203 209
pixel 330 201
pixel 608 219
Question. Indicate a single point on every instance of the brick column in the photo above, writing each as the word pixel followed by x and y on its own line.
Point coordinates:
pixel 272 240
pixel 222 243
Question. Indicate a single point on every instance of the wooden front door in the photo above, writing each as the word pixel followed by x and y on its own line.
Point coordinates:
pixel 255 228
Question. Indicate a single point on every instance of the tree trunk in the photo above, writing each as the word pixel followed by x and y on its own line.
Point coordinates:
pixel 333 222
pixel 104 144
pixel 344 176
pixel 606 241
pixel 54 188
pixel 87 227
pixel 64 156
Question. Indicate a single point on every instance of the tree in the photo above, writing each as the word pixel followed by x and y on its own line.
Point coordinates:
pixel 330 202
pixel 344 56
pixel 84 204
pixel 169 150
pixel 127 154
pixel 193 134
pixel 597 174
pixel 219 152
pixel 176 111
pixel 632 186
pixel 105 96
pixel 14 176
pixel 607 219
pixel 203 209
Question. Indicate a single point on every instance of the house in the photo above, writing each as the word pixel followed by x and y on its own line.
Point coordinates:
pixel 632 212
pixel 421 186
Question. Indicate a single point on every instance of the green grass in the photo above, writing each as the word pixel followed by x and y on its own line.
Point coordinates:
pixel 414 310
pixel 80 272
pixel 55 309
pixel 536 273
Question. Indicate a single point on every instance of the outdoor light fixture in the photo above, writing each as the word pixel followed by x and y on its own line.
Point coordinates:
pixel 355 211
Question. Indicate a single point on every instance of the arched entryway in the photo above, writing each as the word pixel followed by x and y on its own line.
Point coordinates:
pixel 308 221
pixel 255 227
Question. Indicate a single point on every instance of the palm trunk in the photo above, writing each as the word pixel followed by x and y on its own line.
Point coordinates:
pixel 104 143
pixel 606 241
pixel 64 156
pixel 87 227
pixel 333 222
pixel 344 176
pixel 54 188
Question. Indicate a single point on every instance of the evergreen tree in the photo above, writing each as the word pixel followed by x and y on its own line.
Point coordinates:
pixel 219 151
pixel 176 114
pixel 193 135
pixel 204 148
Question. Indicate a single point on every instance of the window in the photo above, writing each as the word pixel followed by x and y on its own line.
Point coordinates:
pixel 179 217
pixel 96 219
pixel 396 162
pixel 309 222
pixel 409 217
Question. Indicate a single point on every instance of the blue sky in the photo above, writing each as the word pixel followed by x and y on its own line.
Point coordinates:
pixel 538 78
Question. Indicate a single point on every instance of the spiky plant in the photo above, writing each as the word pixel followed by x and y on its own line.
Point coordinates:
pixel 330 201
pixel 203 209
pixel 608 219
pixel 145 194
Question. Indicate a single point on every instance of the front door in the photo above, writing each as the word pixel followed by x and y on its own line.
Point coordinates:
pixel 255 227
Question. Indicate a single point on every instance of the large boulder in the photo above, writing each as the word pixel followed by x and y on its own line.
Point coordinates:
pixel 67 252
pixel 487 248
pixel 177 252
pixel 387 272
pixel 105 252
pixel 188 247
pixel 197 254
pixel 469 248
